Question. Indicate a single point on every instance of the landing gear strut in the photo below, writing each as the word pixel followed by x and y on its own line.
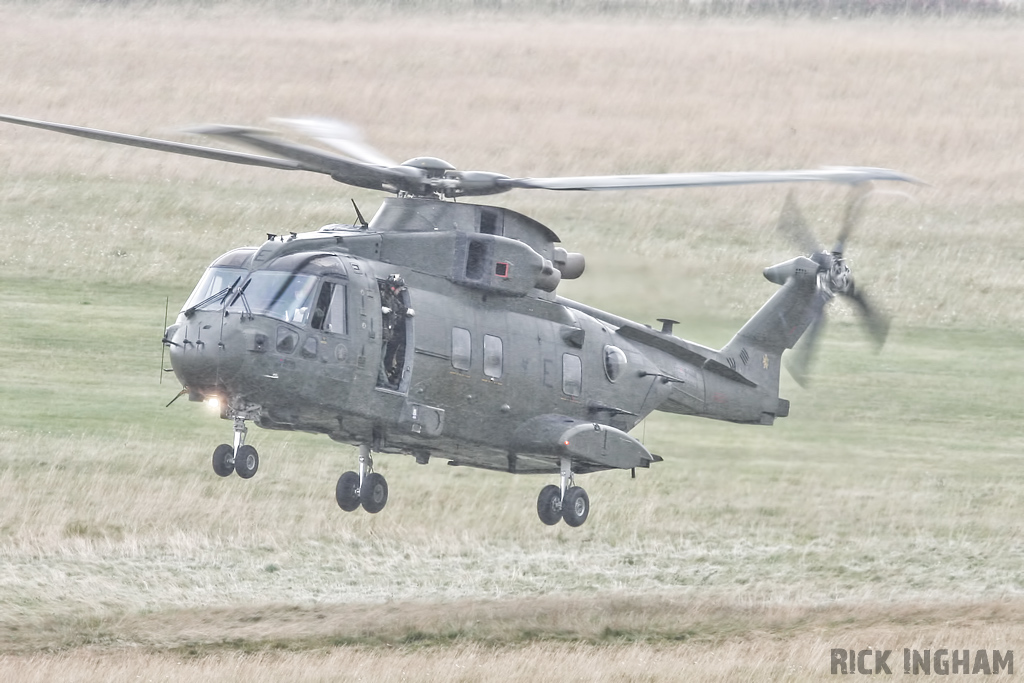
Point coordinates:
pixel 240 458
pixel 566 501
pixel 366 488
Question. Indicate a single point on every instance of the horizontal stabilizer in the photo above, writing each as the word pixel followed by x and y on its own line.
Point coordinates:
pixel 674 346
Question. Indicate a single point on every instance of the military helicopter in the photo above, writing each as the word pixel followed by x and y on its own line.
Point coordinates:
pixel 435 329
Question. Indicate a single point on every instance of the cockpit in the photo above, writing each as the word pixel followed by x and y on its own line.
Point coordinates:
pixel 285 291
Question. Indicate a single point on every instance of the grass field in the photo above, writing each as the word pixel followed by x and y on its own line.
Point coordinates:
pixel 884 512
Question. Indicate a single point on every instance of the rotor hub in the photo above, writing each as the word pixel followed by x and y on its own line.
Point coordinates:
pixel 840 280
pixel 431 166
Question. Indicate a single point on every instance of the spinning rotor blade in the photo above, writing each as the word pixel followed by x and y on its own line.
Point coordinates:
pixel 877 323
pixel 794 227
pixel 311 159
pixel 343 137
pixel 161 145
pixel 362 166
pixel 852 213
pixel 850 175
pixel 799 363
pixel 834 278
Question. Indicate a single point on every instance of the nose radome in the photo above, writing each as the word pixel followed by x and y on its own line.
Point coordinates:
pixel 204 353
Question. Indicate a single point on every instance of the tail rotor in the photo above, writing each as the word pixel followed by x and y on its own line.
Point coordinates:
pixel 834 278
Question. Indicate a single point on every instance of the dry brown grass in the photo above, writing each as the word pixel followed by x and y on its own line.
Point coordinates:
pixel 886 517
pixel 602 639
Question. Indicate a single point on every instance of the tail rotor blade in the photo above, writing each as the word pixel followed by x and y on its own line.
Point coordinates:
pixel 852 214
pixel 794 227
pixel 799 363
pixel 877 323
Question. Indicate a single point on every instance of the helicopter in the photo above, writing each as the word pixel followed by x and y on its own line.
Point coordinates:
pixel 435 329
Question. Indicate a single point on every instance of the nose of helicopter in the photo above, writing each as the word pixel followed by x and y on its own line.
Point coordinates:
pixel 204 355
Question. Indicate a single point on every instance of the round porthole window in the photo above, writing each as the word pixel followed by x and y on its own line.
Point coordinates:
pixel 614 362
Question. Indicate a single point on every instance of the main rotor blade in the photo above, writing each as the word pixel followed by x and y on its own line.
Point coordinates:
pixel 341 169
pixel 849 175
pixel 368 168
pixel 161 145
pixel 342 136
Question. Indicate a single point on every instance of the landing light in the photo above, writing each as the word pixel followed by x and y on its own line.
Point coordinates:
pixel 213 403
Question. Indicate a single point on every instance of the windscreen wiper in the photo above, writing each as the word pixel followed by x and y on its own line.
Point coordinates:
pixel 245 302
pixel 222 294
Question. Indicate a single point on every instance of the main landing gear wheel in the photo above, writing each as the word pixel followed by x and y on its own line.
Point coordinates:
pixel 224 460
pixel 373 494
pixel 549 505
pixel 365 487
pixel 247 461
pixel 347 492
pixel 575 506
pixel 566 501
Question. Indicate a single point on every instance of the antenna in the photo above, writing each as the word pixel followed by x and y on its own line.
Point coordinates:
pixel 163 345
pixel 359 216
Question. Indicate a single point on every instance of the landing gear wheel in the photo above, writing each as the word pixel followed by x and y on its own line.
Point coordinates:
pixel 247 461
pixel 549 505
pixel 373 494
pixel 346 492
pixel 575 506
pixel 223 460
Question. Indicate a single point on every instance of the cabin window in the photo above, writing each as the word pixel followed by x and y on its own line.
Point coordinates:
pixel 572 375
pixel 462 348
pixel 614 362
pixel 492 356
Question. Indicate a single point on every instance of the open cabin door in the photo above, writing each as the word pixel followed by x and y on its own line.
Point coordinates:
pixel 396 335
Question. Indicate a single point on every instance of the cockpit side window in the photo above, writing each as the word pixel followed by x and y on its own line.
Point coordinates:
pixel 337 315
pixel 329 311
pixel 323 302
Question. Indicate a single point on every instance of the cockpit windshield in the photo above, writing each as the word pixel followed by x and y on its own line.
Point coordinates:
pixel 281 295
pixel 214 281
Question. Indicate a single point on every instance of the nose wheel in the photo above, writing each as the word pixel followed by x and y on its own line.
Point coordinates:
pixel 224 460
pixel 242 459
pixel 567 501
pixel 366 487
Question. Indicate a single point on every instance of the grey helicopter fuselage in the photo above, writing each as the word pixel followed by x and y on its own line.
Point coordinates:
pixel 435 330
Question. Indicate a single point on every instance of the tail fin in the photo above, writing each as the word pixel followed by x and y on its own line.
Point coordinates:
pixel 756 349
